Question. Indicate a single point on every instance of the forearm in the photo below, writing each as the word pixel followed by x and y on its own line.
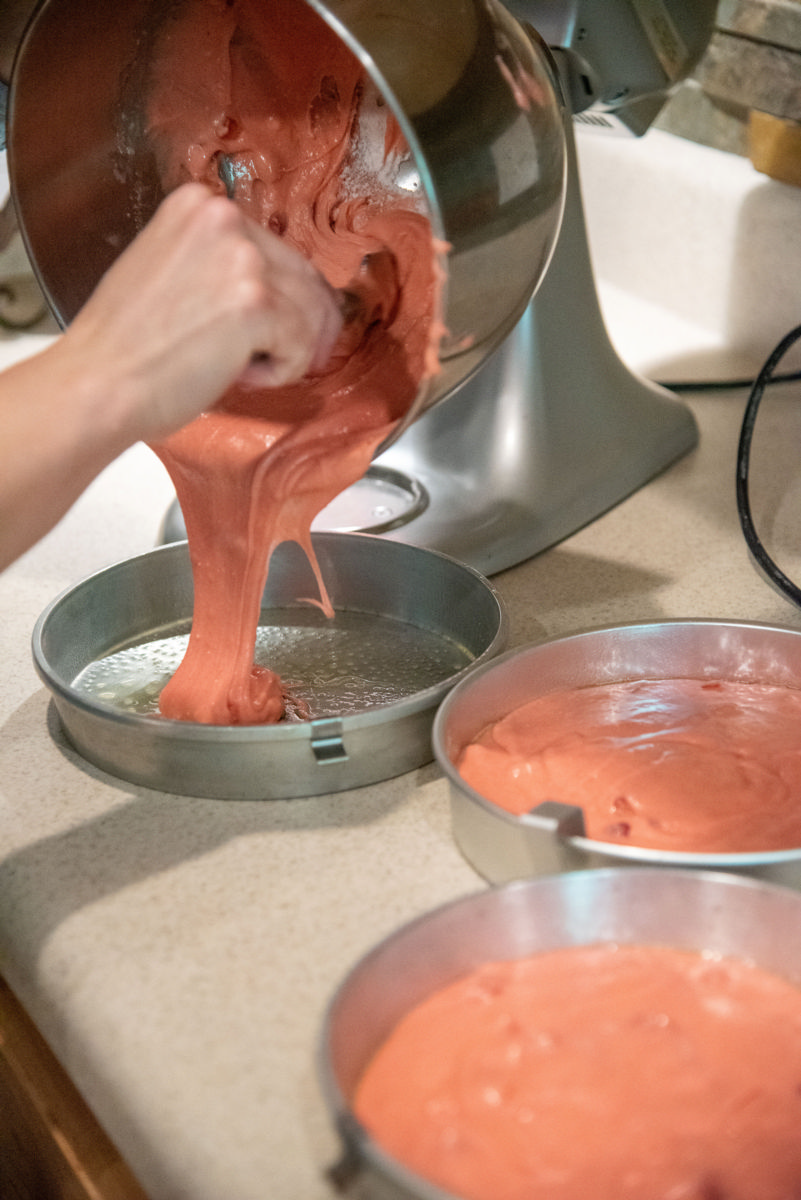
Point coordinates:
pixel 202 298
pixel 59 427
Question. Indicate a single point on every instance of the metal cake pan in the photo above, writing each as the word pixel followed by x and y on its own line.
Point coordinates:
pixel 701 911
pixel 503 846
pixel 408 624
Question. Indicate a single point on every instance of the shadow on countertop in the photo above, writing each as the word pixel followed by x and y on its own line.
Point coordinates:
pixel 109 835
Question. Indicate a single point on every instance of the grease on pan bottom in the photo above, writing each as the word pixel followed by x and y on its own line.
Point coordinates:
pixel 321 661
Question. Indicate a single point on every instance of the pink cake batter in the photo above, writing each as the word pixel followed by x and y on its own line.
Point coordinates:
pixel 597 1073
pixel 674 764
pixel 272 89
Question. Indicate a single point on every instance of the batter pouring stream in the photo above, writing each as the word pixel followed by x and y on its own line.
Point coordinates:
pixel 265 102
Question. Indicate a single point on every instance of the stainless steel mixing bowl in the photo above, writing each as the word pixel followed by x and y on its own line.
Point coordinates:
pixel 720 913
pixel 474 94
pixel 503 846
pixel 407 624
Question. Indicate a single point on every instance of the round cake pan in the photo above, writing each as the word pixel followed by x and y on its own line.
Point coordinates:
pixel 692 910
pixel 408 624
pixel 503 846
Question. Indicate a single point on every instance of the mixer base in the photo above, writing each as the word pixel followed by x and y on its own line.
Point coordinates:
pixel 381 501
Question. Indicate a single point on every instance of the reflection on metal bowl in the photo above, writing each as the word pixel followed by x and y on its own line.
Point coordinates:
pixel 504 846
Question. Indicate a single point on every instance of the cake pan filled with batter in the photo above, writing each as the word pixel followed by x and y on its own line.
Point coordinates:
pixel 669 743
pixel 408 623
pixel 571 1036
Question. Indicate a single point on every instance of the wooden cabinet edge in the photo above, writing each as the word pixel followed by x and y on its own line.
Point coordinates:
pixel 51 1145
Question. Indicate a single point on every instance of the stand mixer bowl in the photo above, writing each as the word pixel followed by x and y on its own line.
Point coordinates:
pixel 474 94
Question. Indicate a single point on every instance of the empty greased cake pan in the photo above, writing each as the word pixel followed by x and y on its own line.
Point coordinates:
pixel 503 846
pixel 408 624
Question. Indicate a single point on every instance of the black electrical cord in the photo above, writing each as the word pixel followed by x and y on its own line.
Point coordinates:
pixel 763 560
pixel 725 385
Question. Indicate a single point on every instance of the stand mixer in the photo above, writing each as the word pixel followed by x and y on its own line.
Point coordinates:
pixel 555 429
pixel 535 426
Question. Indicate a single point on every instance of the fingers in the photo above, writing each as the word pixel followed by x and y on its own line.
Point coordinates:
pixel 202 298
pixel 303 315
pixel 299 341
pixel 213 262
pixel 285 306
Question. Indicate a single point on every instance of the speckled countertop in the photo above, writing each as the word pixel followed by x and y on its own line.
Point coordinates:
pixel 178 954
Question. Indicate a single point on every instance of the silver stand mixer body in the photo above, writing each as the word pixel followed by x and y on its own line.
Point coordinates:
pixel 555 429
pixel 552 432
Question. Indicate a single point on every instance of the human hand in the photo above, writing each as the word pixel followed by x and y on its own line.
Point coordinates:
pixel 201 299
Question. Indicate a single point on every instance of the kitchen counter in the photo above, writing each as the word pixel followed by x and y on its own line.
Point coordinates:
pixel 178 954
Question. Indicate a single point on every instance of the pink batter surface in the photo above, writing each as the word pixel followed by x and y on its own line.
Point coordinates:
pixel 674 764
pixel 597 1073
pixel 270 91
